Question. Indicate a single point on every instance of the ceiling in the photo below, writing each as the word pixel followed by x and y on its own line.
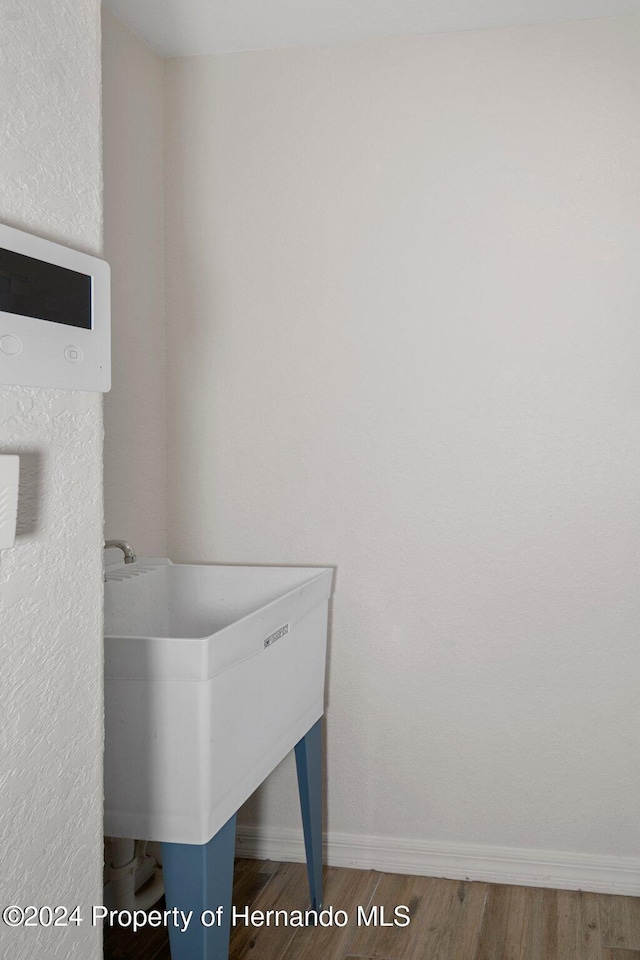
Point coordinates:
pixel 182 28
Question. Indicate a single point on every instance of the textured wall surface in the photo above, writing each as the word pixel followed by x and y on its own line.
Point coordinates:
pixel 51 584
pixel 402 321
pixel 134 411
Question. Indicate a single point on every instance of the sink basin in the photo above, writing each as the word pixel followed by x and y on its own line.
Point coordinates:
pixel 212 675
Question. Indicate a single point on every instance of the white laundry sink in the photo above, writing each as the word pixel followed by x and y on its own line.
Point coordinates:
pixel 212 675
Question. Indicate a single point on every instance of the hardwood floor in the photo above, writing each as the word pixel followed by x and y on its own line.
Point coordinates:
pixel 450 920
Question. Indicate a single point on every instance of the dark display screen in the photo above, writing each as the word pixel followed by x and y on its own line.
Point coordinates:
pixel 34 288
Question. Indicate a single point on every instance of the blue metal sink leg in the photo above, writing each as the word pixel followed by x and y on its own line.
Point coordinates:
pixel 309 764
pixel 198 878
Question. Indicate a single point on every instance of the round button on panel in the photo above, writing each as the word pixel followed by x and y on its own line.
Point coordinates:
pixel 10 345
pixel 74 354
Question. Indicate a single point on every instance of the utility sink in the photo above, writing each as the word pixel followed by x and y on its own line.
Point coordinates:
pixel 212 675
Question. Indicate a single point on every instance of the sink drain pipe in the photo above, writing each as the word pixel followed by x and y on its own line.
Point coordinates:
pixel 127 856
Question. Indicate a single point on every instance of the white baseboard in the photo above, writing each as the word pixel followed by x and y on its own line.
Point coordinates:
pixel 533 868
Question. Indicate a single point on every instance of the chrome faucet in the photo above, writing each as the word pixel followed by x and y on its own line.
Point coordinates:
pixel 129 555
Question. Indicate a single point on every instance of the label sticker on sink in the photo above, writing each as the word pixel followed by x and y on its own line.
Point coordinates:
pixel 276 636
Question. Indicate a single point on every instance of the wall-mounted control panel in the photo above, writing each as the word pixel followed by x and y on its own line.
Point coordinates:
pixel 55 315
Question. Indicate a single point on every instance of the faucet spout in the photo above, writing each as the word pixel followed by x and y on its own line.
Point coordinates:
pixel 129 555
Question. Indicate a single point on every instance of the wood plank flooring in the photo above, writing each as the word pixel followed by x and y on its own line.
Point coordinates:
pixel 450 920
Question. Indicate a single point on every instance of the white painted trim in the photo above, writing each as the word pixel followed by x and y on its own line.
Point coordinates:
pixel 534 868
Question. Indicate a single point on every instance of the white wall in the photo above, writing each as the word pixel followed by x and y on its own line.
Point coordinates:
pixel 134 411
pixel 51 582
pixel 402 330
